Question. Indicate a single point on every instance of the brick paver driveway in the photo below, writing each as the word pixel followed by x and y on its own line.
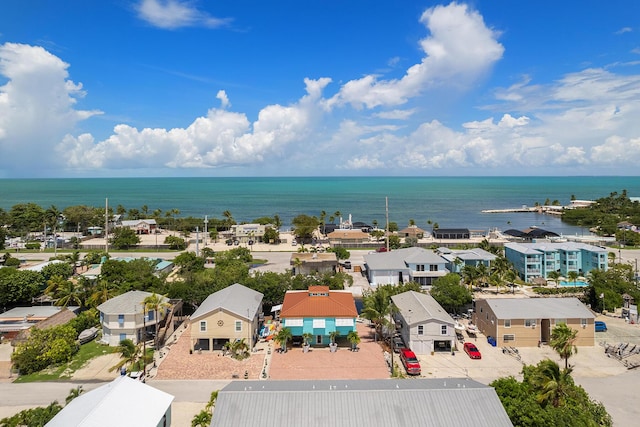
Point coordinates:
pixel 319 363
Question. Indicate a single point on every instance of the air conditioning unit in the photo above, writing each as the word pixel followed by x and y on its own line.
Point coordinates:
pixel 533 326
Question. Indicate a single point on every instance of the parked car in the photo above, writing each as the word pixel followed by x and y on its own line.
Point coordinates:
pixel 472 350
pixel 381 249
pixel 398 343
pixel 600 326
pixel 410 361
pixel 347 265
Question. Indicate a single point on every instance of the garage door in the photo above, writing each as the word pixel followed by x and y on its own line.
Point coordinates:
pixel 421 347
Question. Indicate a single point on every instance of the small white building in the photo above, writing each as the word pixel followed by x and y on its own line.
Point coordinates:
pixel 122 402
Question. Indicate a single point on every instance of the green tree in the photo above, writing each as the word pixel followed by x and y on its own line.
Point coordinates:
pixel 341 253
pixel 189 262
pixel 563 340
pixel 19 286
pixel 156 303
pixel 203 418
pixel 304 226
pixel 25 217
pixel 449 293
pixel 45 347
pixel 551 383
pixel 60 269
pixel 354 339
pixel 129 354
pixel 176 243
pixel 124 238
pixel 283 337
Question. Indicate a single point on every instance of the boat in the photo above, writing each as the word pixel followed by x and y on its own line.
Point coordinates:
pixel 472 329
pixel 88 335
pixel 459 327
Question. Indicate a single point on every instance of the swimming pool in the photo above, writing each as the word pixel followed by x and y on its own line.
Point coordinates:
pixel 577 283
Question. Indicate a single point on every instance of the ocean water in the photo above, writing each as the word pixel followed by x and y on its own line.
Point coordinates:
pixel 452 202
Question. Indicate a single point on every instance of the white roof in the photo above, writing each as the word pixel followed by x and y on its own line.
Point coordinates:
pixel 122 402
pixel 39 267
pixel 539 308
pixel 127 303
pixel 237 299
pixel 417 307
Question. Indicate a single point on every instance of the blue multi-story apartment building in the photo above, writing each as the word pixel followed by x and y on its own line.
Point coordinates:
pixel 533 260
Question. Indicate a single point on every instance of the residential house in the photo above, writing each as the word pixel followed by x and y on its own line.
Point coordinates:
pixel 15 323
pixel 314 262
pixel 451 233
pixel 122 402
pixel 125 317
pixel 245 233
pixel 414 264
pixel 319 311
pixel 533 260
pixel 425 326
pixel 233 313
pixel 140 226
pixel 527 322
pixel 345 237
pixel 457 259
pixel 371 403
pixel 412 231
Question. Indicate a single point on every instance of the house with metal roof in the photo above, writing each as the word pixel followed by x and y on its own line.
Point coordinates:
pixel 414 264
pixel 533 260
pixel 444 402
pixel 233 313
pixel 313 262
pixel 319 311
pixel 527 322
pixel 424 325
pixel 18 320
pixel 125 317
pixel 451 233
pixel 122 402
pixel 140 226
pixel 457 259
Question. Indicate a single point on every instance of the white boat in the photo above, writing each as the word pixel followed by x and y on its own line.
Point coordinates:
pixel 472 329
pixel 459 327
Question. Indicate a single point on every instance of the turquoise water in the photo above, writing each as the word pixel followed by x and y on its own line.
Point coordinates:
pixel 577 283
pixel 449 201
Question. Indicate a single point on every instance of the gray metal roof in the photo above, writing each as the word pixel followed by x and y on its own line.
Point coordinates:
pixel 473 254
pixel 128 303
pixel 399 258
pixel 236 299
pixel 351 403
pixel 122 402
pixel 539 308
pixel 539 247
pixel 422 307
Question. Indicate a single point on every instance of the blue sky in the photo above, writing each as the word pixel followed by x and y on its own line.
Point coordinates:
pixel 337 88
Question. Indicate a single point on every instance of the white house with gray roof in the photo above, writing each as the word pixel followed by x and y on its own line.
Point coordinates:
pixel 526 322
pixel 425 325
pixel 404 265
pixel 233 313
pixel 125 317
pixel 122 402
pixel 446 402
pixel 457 259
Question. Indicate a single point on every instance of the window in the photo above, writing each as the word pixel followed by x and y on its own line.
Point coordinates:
pixel 420 267
pixel 583 323
pixel 203 326
pixel 530 323
pixel 319 323
pixel 238 325
pixel 507 323
pixel 293 322
pixel 508 337
pixel 344 322
pixel 150 315
pixel 123 337
pixel 121 319
pixel 443 329
pixel 420 330
pixel 433 267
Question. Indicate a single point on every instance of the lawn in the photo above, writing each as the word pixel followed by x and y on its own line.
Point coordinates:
pixel 65 371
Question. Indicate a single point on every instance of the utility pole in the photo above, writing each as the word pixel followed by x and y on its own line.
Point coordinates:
pixel 197 241
pixel 106 226
pixel 386 205
pixel 206 221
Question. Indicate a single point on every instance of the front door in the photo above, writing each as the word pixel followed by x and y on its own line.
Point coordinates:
pixel 319 339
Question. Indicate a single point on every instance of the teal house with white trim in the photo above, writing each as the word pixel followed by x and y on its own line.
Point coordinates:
pixel 319 312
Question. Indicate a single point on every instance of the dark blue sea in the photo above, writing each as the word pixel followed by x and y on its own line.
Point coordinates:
pixel 450 201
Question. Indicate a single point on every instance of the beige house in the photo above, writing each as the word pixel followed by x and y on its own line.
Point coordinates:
pixel 314 262
pixel 347 236
pixel 527 322
pixel 233 313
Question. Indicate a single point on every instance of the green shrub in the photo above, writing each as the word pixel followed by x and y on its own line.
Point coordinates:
pixel 33 245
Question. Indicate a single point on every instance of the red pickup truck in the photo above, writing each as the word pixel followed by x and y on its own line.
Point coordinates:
pixel 410 361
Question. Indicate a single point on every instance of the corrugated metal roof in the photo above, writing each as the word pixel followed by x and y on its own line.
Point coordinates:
pixel 237 299
pixel 399 258
pixel 422 307
pixel 538 308
pixel 372 403
pixel 128 303
pixel 122 402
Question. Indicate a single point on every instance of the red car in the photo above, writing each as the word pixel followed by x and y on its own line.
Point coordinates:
pixel 410 361
pixel 472 350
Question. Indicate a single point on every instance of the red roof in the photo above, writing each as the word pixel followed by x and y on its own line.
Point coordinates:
pixel 326 304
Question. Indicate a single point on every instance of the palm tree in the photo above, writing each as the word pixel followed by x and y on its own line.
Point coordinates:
pixel 228 219
pixel 378 307
pixel 156 303
pixel 307 338
pixel 572 276
pixel 102 292
pixel 554 275
pixel 354 339
pixel 470 275
pixel 129 353
pixel 283 337
pixel 562 341
pixel 551 383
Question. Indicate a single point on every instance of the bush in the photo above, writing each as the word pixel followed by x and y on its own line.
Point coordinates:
pixel 32 245
pixel 12 262
pixel 45 347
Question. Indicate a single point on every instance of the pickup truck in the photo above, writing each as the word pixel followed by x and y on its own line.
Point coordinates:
pixel 410 361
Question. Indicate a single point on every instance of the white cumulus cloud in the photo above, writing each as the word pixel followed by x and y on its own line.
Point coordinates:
pixel 173 14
